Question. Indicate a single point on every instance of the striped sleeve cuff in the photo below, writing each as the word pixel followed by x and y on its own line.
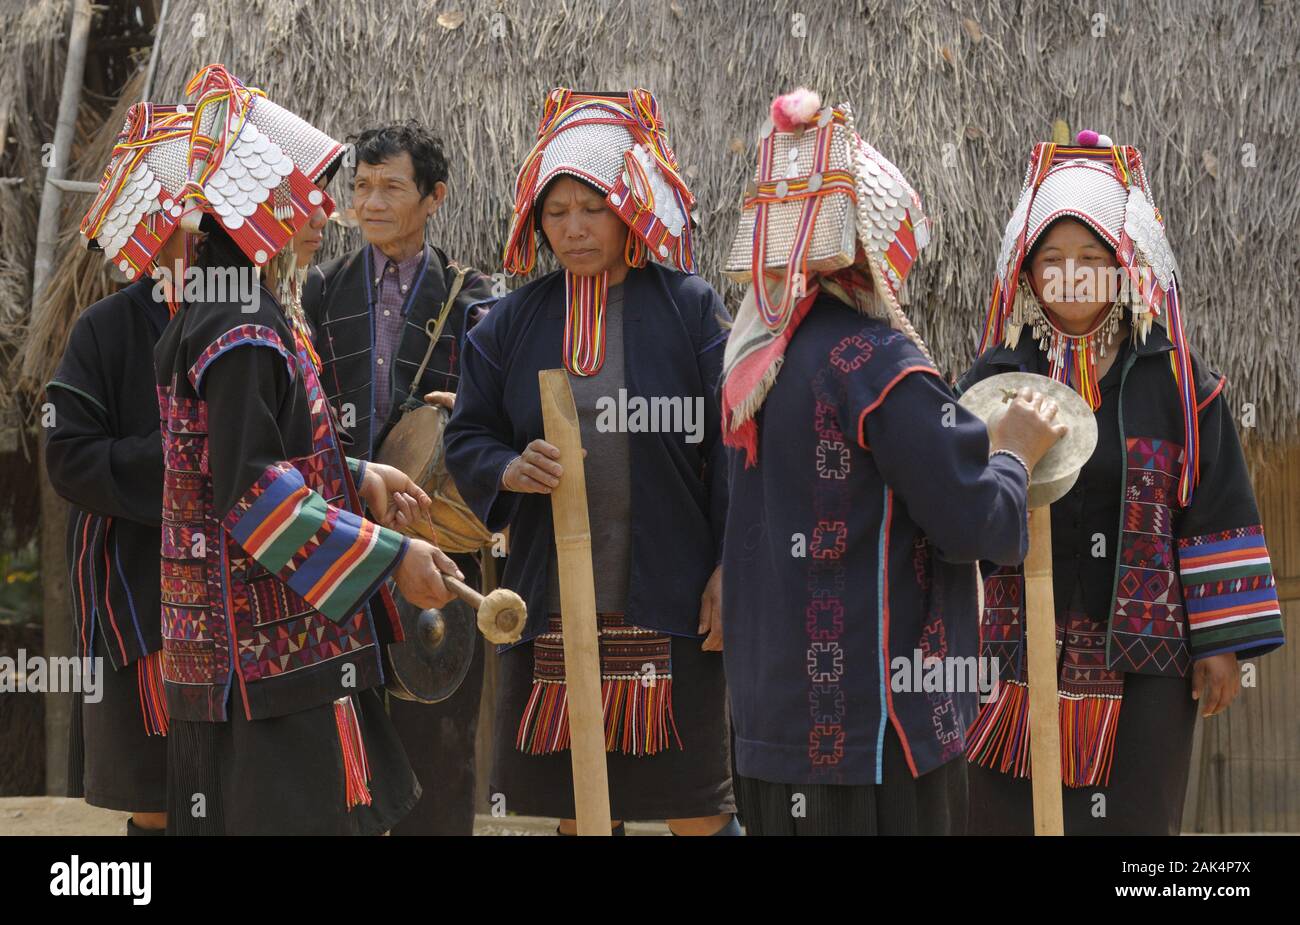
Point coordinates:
pixel 1230 593
pixel 331 557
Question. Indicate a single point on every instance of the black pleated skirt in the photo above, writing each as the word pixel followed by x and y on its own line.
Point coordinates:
pixel 113 762
pixel 685 783
pixel 1148 779
pixel 285 775
pixel 439 739
pixel 932 804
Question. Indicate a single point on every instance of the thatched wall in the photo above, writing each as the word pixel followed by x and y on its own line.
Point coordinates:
pixel 33 39
pixel 954 92
pixel 80 277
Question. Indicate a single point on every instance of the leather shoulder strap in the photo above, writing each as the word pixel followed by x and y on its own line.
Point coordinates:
pixel 434 329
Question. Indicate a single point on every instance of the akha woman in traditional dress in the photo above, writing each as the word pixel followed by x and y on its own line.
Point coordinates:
pixel 861 498
pixel 266 554
pixel 641 338
pixel 1161 576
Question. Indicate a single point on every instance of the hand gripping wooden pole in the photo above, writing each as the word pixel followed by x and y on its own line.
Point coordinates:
pixel 1040 657
pixel 577 607
pixel 1053 476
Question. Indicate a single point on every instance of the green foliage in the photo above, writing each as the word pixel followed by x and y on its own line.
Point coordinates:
pixel 20 585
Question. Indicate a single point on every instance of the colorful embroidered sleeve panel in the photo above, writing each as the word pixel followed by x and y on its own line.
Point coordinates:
pixel 1230 593
pixel 358 469
pixel 332 558
pixel 265 446
pixel 1229 590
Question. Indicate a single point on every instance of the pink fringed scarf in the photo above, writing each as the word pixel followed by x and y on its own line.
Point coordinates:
pixel 753 359
pixel 754 353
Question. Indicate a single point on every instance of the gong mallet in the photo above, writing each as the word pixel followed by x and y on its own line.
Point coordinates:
pixel 501 613
pixel 577 607
pixel 1053 476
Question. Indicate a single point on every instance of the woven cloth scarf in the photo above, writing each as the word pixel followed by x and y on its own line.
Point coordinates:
pixel 754 353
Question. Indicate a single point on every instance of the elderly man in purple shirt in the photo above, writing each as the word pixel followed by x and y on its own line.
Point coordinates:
pixel 373 312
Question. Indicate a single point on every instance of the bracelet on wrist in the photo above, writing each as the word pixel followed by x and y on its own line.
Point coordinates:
pixel 502 480
pixel 1017 457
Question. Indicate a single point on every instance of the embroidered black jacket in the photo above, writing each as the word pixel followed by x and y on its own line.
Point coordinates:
pixel 1187 583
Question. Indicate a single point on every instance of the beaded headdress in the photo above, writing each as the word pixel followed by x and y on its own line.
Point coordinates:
pixel 1105 186
pixel 138 204
pixel 253 165
pixel 617 143
pixel 824 211
pixel 822 199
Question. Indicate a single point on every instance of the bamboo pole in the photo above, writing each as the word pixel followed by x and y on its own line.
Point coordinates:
pixel 1044 709
pixel 47 225
pixel 577 608
pixel 56 602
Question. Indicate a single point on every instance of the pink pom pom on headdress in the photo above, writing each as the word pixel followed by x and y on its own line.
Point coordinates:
pixel 795 109
pixel 1090 139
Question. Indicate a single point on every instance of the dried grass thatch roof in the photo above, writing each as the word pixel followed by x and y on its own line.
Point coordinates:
pixel 954 91
pixel 32 46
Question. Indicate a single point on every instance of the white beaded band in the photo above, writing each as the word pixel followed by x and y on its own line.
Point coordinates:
pixel 1017 457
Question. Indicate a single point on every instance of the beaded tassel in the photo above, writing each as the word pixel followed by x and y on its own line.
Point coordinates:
pixel 153 701
pixel 584 328
pixel 283 201
pixel 1072 358
pixel 356 768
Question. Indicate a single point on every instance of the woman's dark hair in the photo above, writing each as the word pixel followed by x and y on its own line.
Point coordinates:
pixel 216 248
pixel 376 145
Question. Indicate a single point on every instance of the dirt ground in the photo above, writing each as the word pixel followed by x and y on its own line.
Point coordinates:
pixel 68 816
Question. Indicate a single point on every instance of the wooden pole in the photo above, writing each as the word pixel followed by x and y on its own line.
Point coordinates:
pixel 65 128
pixel 577 607
pixel 487 706
pixel 1044 709
pixel 55 599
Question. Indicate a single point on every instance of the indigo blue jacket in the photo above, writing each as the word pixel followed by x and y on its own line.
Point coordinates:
pixel 850 557
pixel 673 337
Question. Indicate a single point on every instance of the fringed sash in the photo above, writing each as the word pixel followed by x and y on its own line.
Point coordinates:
pixel 636 690
pixel 751 363
pixel 1090 698
pixel 153 700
